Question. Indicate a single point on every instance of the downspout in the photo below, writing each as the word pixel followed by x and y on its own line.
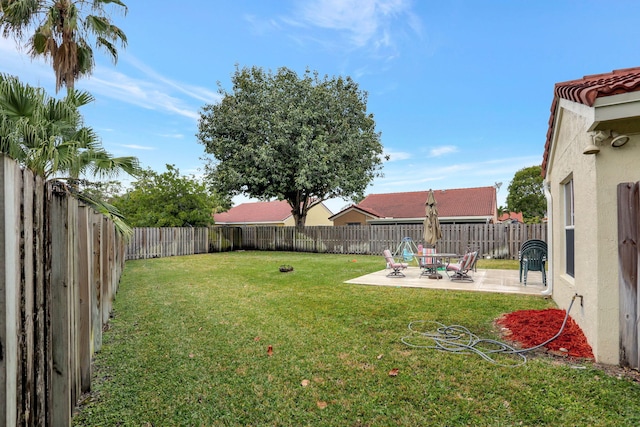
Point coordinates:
pixel 547 193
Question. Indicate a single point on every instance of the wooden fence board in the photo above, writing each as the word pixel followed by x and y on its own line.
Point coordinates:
pixel 85 260
pixel 42 362
pixel 96 295
pixel 105 298
pixel 61 307
pixel 28 291
pixel 9 289
pixel 628 251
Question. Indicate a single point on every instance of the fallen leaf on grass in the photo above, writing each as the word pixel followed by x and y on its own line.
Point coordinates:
pixel 321 404
pixel 305 383
pixel 380 356
pixel 270 351
pixel 394 372
pixel 256 339
pixel 191 355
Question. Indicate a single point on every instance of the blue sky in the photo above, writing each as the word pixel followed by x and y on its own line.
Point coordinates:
pixel 460 90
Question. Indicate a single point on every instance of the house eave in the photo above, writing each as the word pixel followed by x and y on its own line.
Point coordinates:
pixel 242 223
pixel 482 219
pixel 617 112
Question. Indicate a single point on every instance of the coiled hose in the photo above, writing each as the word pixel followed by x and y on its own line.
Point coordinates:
pixel 452 339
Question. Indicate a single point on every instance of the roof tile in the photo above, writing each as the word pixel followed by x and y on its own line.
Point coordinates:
pixel 274 211
pixel 585 91
pixel 479 201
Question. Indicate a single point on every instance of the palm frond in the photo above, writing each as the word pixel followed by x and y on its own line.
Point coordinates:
pixel 107 210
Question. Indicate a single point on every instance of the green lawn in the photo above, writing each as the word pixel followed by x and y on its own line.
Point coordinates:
pixel 188 342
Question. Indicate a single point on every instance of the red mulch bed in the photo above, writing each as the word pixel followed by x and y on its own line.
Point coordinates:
pixel 532 327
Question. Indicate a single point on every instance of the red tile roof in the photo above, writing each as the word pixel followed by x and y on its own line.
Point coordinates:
pixel 511 215
pixel 256 212
pixel 460 202
pixel 586 90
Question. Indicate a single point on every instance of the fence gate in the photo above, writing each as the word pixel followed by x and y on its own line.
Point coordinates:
pixel 628 254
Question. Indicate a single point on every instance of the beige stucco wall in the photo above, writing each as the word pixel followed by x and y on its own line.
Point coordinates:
pixel 350 217
pixel 595 179
pixel 317 215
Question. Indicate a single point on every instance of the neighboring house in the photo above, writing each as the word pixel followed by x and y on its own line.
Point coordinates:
pixel 277 212
pixel 511 217
pixel 592 145
pixel 455 206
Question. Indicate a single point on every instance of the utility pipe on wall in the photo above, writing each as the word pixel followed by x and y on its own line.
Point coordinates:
pixel 547 193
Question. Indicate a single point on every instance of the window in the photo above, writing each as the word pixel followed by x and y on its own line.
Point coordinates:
pixel 569 227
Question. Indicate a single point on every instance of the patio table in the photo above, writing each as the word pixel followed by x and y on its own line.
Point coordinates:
pixel 431 269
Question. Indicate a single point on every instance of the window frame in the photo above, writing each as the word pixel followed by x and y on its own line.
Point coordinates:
pixel 568 189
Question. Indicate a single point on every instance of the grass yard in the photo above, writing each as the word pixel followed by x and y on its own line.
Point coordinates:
pixel 188 346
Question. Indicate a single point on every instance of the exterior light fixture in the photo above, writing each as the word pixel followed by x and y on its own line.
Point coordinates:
pixel 596 138
pixel 618 140
pixel 591 149
pixel 600 137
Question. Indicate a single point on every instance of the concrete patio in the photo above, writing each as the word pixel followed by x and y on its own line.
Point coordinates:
pixel 501 281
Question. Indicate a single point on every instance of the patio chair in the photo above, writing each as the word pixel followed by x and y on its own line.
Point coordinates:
pixel 461 269
pixel 394 265
pixel 536 244
pixel 533 258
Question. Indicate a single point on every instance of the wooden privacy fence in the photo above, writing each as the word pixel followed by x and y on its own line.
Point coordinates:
pixel 60 264
pixel 148 242
pixel 491 240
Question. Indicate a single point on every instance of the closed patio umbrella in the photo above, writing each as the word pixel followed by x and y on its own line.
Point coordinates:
pixel 432 231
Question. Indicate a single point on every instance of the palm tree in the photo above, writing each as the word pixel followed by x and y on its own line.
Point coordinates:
pixel 62 31
pixel 48 136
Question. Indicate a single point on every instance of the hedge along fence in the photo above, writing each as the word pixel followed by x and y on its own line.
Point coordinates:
pixel 60 267
pixel 491 240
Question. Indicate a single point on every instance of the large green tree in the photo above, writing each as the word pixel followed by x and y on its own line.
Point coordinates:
pixel 63 32
pixel 49 137
pixel 169 199
pixel 526 194
pixel 289 137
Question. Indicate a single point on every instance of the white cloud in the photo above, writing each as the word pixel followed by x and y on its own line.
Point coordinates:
pixel 172 135
pixel 396 155
pixel 357 17
pixel 18 63
pixel 153 91
pixel 138 92
pixel 262 26
pixel 441 151
pixel 137 147
pixel 366 23
pixel 195 92
pixel 436 173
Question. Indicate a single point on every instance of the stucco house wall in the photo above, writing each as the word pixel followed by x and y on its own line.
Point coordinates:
pixel 318 214
pixel 350 217
pixel 595 179
pixel 273 213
